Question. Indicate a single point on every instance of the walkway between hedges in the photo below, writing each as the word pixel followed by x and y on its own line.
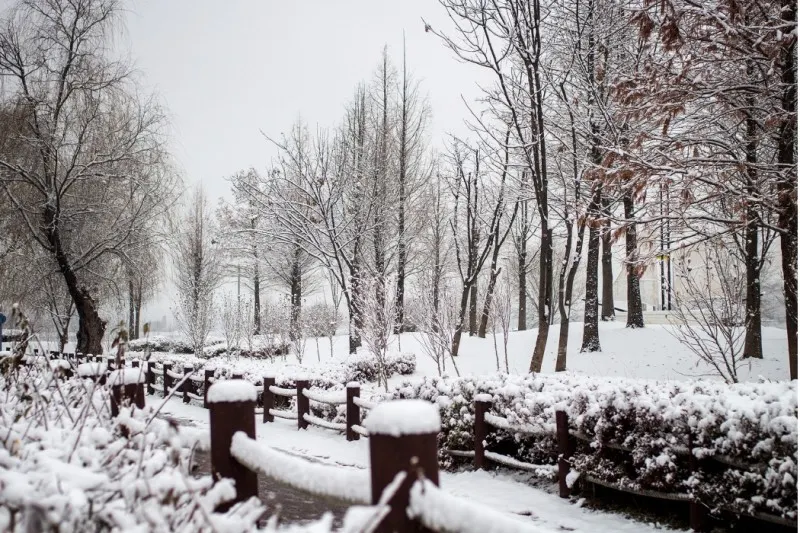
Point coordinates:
pixel 508 492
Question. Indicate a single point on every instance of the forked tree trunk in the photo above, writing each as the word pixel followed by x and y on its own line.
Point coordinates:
pixel 635 315
pixel 565 299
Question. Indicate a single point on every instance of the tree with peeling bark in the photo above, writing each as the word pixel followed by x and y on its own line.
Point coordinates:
pixel 90 143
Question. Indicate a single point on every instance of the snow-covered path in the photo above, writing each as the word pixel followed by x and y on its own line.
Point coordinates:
pixel 497 490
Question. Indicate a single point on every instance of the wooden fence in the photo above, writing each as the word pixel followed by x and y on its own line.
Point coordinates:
pixel 485 422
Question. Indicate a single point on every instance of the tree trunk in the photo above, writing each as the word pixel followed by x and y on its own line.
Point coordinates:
pixel 787 185
pixel 607 312
pixel 91 327
pixel 401 276
pixel 565 301
pixel 522 288
pixel 256 301
pixel 473 308
pixel 256 285
pixel 131 307
pixel 487 301
pixel 752 336
pixel 635 315
pixel 545 296
pixel 591 333
pixel 296 295
pixel 137 313
pixel 462 313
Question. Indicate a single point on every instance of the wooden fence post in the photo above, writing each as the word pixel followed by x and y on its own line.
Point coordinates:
pixel 238 375
pixel 110 363
pixel 135 363
pixel 353 413
pixel 151 377
pixel 268 399
pixel 166 367
pixel 302 403
pixel 483 402
pixel 207 376
pixel 402 439
pixel 187 382
pixel 565 449
pixel 231 408
pixel 126 386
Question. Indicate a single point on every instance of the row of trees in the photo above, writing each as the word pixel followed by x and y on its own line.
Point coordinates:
pixel 661 124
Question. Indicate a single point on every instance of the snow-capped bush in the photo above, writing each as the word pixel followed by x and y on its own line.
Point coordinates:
pixel 364 367
pixel 754 425
pixel 66 465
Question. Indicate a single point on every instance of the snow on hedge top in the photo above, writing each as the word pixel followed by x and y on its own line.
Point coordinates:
pixel 403 417
pixel 91 369
pixel 127 376
pixel 232 390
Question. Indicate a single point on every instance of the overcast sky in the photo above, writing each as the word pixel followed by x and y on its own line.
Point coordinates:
pixel 227 70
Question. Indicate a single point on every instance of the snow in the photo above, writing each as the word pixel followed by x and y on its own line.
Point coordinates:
pixel 442 512
pixel 336 481
pixel 127 376
pixel 233 390
pixel 507 493
pixel 403 417
pixel 92 369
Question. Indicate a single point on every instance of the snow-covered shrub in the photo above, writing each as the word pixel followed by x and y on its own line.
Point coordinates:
pixel 66 465
pixel 364 368
pixel 754 425
pixel 158 343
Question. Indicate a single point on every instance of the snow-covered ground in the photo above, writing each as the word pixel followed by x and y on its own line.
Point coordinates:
pixel 649 353
pixel 500 491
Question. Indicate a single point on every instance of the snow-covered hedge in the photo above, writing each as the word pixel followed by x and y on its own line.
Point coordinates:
pixel 753 424
pixel 66 465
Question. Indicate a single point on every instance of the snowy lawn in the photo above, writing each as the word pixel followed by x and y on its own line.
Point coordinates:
pixel 500 491
pixel 650 353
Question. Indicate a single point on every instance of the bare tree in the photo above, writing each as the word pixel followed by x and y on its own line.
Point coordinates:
pixel 710 308
pixel 377 324
pixel 506 39
pixel 198 269
pixel 86 150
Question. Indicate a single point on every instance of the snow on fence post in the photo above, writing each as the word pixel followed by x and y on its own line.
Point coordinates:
pixel 207 375
pixel 353 413
pixel 268 399
pixel 127 385
pixel 402 446
pixel 483 402
pixel 698 513
pixel 302 403
pixel 231 408
pixel 187 382
pixel 565 449
pixel 166 367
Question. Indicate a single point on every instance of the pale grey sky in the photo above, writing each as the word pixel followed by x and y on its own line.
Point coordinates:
pixel 227 69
